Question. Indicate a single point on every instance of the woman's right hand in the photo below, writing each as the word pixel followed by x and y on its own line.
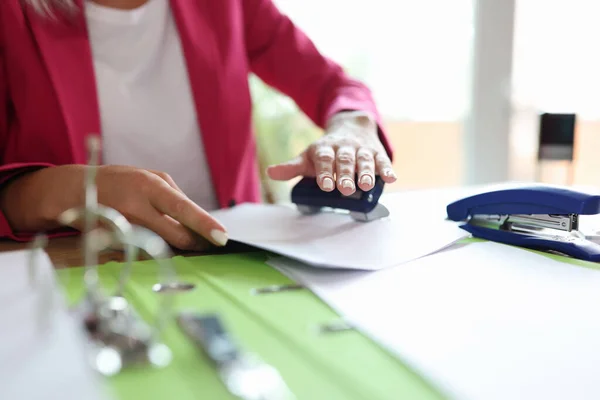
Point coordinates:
pixel 34 201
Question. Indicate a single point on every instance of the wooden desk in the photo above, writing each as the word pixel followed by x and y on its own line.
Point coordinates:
pixel 67 251
pixel 64 252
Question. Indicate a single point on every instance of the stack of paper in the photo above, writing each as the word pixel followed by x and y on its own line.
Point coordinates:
pixel 480 321
pixel 42 349
pixel 416 227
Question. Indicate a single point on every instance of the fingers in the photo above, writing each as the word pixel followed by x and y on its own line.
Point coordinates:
pixel 167 178
pixel 288 170
pixel 365 163
pixel 173 232
pixel 383 167
pixel 345 159
pixel 177 206
pixel 152 199
pixel 323 158
pixel 166 227
pixel 346 163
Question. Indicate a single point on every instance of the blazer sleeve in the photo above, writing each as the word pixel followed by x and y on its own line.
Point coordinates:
pixel 9 171
pixel 286 59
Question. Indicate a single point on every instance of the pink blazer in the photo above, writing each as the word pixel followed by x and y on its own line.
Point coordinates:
pixel 48 98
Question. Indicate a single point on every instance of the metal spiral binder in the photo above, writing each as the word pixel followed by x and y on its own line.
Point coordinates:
pixel 118 336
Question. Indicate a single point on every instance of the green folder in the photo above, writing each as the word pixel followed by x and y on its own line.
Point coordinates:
pixel 279 327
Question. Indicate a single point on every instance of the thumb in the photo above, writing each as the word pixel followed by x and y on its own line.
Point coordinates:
pixel 288 170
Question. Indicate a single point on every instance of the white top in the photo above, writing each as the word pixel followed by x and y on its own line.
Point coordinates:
pixel 147 114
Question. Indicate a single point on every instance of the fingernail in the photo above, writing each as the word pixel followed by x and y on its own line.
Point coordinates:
pixel 327 183
pixel 389 173
pixel 347 184
pixel 366 180
pixel 219 237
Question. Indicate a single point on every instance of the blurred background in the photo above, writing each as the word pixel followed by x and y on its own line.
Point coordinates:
pixel 461 84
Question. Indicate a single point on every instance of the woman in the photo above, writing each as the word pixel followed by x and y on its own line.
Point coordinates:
pixel 166 84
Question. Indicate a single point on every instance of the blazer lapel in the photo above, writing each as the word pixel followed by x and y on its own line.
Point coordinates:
pixel 201 52
pixel 65 50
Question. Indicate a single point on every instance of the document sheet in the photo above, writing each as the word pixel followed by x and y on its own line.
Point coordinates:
pixel 416 227
pixel 479 321
pixel 41 347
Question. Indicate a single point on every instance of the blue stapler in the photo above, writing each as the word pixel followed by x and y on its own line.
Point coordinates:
pixel 542 218
pixel 362 205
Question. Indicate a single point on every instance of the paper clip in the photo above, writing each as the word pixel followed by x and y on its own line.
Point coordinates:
pixel 276 289
pixel 244 375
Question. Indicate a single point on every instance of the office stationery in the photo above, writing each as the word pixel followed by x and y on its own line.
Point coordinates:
pixel 244 375
pixel 361 205
pixel 41 345
pixel 416 227
pixel 334 327
pixel 479 320
pixel 538 217
pixel 118 336
pixel 173 287
pixel 281 328
pixel 276 289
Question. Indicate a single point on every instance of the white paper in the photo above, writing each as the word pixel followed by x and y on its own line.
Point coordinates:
pixel 416 227
pixel 479 321
pixel 42 349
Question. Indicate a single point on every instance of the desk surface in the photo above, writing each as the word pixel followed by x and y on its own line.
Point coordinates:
pixel 67 251
pixel 279 328
pixel 64 252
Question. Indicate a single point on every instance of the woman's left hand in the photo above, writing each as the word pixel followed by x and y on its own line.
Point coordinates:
pixel 350 149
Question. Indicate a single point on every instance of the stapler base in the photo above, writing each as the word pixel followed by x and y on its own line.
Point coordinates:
pixel 572 246
pixel 308 210
pixel 380 211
